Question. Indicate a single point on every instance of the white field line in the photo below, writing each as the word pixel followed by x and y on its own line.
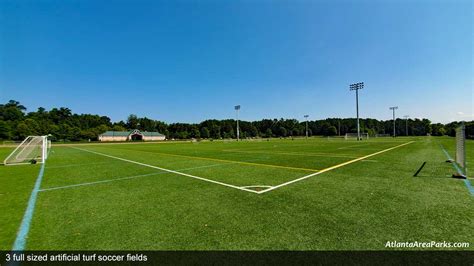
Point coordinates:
pixel 363 148
pixel 98 182
pixel 127 177
pixel 168 170
pixel 256 186
pixel 353 146
pixel 73 165
pixel 332 168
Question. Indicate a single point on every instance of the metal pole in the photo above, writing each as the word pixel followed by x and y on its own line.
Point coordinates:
pixel 406 124
pixel 237 108
pixel 306 128
pixel 357 107
pixel 357 87
pixel 339 128
pixel 306 116
pixel 238 133
pixel 394 132
pixel 393 108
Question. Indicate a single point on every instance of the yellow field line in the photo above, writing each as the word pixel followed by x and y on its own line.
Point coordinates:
pixel 335 155
pixel 230 161
pixel 333 167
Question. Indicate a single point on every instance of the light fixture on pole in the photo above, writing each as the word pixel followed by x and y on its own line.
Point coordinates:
pixel 237 108
pixel 393 108
pixel 406 124
pixel 356 87
pixel 306 116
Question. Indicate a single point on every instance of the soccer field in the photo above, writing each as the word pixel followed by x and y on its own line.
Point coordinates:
pixel 280 194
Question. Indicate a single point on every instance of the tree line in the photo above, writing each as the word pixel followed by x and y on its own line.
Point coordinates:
pixel 64 125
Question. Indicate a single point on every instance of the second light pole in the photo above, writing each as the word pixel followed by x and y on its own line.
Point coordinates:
pixel 237 108
pixel 306 116
pixel 393 108
pixel 356 87
pixel 406 124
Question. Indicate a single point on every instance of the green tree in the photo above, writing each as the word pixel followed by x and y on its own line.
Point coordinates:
pixel 32 125
pixel 442 131
pixel 282 132
pixel 4 130
pixel 118 128
pixel 253 131
pixel 195 133
pixel 22 130
pixel 132 122
pixel 268 133
pixel 205 133
pixel 12 111
pixel 100 129
pixel 332 131
pixel 88 134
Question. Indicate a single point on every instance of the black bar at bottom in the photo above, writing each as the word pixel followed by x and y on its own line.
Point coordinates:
pixel 238 257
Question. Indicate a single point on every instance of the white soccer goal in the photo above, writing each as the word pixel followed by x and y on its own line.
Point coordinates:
pixel 34 149
pixel 461 148
pixel 354 136
pixel 382 135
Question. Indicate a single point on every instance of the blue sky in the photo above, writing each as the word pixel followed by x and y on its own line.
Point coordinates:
pixel 186 61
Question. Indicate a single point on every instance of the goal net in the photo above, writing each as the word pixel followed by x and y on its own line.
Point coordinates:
pixel 34 149
pixel 382 135
pixel 354 136
pixel 461 148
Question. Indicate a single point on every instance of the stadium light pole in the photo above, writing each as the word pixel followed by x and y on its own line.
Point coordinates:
pixel 237 108
pixel 339 127
pixel 306 116
pixel 356 87
pixel 393 108
pixel 406 124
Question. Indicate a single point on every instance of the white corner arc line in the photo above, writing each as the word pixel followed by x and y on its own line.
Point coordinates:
pixel 168 170
pixel 256 186
pixel 332 168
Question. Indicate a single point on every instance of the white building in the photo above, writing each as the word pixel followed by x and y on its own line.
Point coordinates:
pixel 131 136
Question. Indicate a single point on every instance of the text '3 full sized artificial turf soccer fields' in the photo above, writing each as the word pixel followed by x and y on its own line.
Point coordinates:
pixel 315 194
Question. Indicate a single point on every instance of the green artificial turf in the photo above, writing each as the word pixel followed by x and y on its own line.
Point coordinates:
pixel 90 201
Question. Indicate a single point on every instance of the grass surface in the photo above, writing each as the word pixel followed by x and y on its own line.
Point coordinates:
pixel 91 201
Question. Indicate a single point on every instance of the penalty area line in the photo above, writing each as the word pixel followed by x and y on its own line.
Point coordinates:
pixel 126 178
pixel 332 168
pixel 229 161
pixel 97 182
pixel 168 170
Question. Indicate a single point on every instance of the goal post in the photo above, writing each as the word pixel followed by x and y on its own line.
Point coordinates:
pixel 34 149
pixel 354 136
pixel 461 148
